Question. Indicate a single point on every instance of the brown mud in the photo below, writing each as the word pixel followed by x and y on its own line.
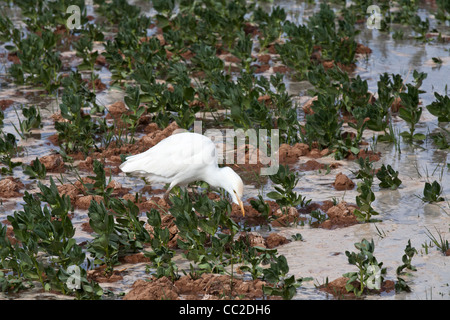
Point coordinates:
pixel 207 286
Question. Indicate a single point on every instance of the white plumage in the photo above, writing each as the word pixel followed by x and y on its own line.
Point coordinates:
pixel 183 158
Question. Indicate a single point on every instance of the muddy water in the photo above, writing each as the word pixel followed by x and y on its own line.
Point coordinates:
pixel 322 253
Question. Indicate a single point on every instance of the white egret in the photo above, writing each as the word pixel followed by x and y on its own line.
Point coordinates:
pixel 183 158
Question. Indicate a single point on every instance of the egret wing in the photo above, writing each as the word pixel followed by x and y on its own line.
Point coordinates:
pixel 178 155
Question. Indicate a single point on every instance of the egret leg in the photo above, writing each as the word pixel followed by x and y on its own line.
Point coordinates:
pixel 166 195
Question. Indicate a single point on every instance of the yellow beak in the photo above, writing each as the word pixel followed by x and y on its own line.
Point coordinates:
pixel 241 204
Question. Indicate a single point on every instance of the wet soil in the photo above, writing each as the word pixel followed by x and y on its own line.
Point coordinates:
pixel 207 286
pixel 337 289
pixel 10 188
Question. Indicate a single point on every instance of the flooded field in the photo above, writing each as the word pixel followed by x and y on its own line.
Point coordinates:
pixel 315 244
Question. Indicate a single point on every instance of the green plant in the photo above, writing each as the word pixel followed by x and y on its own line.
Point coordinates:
pixel 442 244
pixel 243 51
pixel 401 286
pixel 388 177
pixel 100 186
pixel 366 170
pixel 370 272
pixel 317 217
pixel 198 223
pixel 8 148
pixel 255 257
pixel 407 258
pixel 36 170
pixel 297 237
pixel 420 26
pixel 282 284
pixel 364 200
pixel 105 246
pixel 46 231
pixel 77 132
pixel 324 125
pixel 39 59
pixel 131 229
pixel 440 107
pixel 261 206
pixel 440 140
pixel 432 192
pixel 411 112
pixel 443 10
pixel 269 25
pixel 32 121
pixel 132 100
pixel 161 255
pixel 117 10
pixel 296 53
pixel 285 196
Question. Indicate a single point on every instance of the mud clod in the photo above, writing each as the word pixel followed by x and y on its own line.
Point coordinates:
pixel 343 182
pixel 53 163
pixel 10 187
pixel 207 286
pixel 275 240
pixel 340 215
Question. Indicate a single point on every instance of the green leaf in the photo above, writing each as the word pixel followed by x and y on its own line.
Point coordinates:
pixel 419 136
pixel 274 195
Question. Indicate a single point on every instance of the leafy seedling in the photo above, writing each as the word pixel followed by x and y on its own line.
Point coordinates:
pixel 285 196
pixel 36 170
pixel 364 200
pixel 440 107
pixel 407 258
pixel 370 271
pixel 432 192
pixel 282 284
pixel 411 113
pixel 388 177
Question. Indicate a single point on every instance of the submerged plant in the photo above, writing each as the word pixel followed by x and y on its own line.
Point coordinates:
pixel 440 107
pixel 442 244
pixel 432 192
pixel 388 177
pixel 440 140
pixel 407 258
pixel 411 112
pixel 364 200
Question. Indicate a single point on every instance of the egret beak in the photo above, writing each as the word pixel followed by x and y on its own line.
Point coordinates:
pixel 241 204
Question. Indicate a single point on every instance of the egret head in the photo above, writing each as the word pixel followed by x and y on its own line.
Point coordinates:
pixel 233 184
